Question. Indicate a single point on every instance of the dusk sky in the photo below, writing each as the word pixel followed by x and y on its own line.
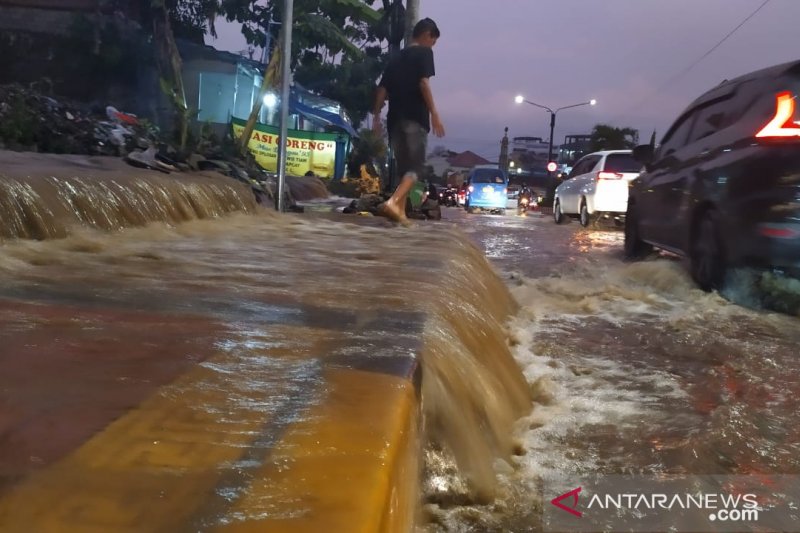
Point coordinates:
pixel 561 52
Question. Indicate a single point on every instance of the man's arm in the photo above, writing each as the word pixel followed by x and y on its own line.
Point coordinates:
pixel 427 95
pixel 380 100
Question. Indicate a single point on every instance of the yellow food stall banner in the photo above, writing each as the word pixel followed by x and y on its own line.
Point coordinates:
pixel 306 150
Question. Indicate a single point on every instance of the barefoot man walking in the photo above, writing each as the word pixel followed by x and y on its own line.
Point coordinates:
pixel 412 112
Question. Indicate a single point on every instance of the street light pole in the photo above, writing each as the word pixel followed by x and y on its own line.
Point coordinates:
pixel 286 73
pixel 412 17
pixel 520 99
pixel 552 130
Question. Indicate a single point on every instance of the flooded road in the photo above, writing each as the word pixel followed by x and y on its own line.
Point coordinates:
pixel 633 371
pixel 153 377
pixel 251 370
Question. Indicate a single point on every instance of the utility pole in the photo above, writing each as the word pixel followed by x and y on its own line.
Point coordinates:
pixel 397 24
pixel 286 83
pixel 412 17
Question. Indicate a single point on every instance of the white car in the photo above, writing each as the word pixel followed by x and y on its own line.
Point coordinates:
pixel 513 194
pixel 596 186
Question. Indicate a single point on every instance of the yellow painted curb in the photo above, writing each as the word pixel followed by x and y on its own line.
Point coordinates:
pixel 350 463
pixel 150 470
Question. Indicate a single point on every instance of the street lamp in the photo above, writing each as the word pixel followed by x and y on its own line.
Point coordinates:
pixel 521 99
pixel 270 100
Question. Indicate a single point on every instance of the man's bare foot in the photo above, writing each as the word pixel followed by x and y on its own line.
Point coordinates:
pixel 392 211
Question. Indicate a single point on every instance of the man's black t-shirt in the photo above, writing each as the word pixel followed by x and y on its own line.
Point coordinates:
pixel 401 81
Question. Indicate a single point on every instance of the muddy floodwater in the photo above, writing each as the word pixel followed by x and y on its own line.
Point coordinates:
pixel 633 371
pixel 180 318
pixel 171 349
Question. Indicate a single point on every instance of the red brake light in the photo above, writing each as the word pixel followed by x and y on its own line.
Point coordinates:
pixel 609 175
pixel 778 232
pixel 781 124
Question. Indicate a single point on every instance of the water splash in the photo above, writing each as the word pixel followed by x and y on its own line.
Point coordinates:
pixel 48 197
pixel 350 291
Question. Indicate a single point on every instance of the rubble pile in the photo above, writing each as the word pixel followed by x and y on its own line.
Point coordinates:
pixel 33 121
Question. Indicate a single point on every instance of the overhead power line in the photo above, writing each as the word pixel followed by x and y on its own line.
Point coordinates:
pixel 713 48
pixel 710 51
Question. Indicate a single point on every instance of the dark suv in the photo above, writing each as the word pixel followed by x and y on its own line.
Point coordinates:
pixel 723 187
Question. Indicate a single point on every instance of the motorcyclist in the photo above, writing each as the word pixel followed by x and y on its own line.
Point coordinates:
pixel 524 199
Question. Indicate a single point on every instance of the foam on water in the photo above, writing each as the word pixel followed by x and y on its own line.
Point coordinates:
pixel 633 370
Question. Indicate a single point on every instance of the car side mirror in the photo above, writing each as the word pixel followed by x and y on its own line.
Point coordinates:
pixel 644 154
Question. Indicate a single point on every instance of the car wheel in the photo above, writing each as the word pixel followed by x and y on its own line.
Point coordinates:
pixel 707 254
pixel 585 218
pixel 635 247
pixel 501 212
pixel 558 216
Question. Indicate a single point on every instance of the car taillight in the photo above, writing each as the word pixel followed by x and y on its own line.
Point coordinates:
pixel 778 232
pixel 609 176
pixel 782 124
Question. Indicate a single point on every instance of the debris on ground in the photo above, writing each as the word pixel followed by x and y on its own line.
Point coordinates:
pixel 32 121
pixel 36 122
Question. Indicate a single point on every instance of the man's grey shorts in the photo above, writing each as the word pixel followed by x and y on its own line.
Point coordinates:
pixel 409 141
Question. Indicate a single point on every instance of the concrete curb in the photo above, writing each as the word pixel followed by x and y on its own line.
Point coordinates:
pixel 272 404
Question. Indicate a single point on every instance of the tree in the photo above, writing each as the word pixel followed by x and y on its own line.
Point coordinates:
pixel 336 48
pixel 193 19
pixel 606 137
pixel 170 66
pixel 351 82
pixel 336 45
pixel 168 19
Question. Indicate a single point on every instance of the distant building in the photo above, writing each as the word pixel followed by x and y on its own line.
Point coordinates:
pixel 439 160
pixel 534 148
pixel 453 166
pixel 529 155
pixel 466 160
pixel 574 147
pixel 528 144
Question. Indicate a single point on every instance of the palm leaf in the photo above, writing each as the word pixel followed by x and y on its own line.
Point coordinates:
pixel 329 33
pixel 364 12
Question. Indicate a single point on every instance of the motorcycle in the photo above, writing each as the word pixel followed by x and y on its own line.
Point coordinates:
pixel 449 197
pixel 528 199
pixel 524 201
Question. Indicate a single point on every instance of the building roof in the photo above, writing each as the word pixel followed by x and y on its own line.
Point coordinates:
pixel 467 159
pixel 192 51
